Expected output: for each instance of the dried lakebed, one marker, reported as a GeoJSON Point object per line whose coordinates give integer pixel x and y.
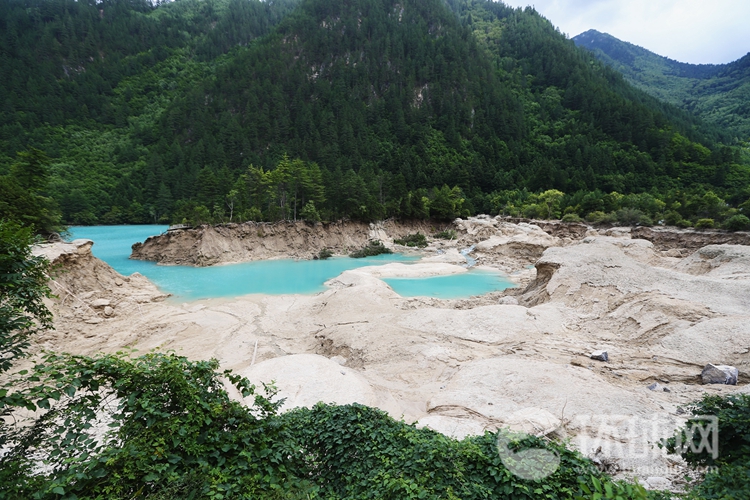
{"type": "Point", "coordinates": [518, 358]}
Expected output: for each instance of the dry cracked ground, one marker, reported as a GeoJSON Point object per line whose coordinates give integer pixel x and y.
{"type": "Point", "coordinates": [519, 358]}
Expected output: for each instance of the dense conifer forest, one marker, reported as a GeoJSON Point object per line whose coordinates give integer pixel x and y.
{"type": "Point", "coordinates": [230, 110]}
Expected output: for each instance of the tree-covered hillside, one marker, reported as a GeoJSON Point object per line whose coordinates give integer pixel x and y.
{"type": "Point", "coordinates": [226, 110]}
{"type": "Point", "coordinates": [718, 93]}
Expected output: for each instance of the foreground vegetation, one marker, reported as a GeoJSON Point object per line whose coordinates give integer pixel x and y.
{"type": "Point", "coordinates": [172, 432]}
{"type": "Point", "coordinates": [730, 477]}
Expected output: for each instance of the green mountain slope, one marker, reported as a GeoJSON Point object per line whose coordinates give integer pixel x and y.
{"type": "Point", "coordinates": [236, 109]}
{"type": "Point", "coordinates": [720, 94]}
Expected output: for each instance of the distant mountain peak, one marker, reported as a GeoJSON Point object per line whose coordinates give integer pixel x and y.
{"type": "Point", "coordinates": [716, 92]}
{"type": "Point", "coordinates": [626, 53]}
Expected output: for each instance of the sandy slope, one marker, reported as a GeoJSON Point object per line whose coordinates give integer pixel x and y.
{"type": "Point", "coordinates": [519, 358]}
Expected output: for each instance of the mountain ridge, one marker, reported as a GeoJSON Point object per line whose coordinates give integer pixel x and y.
{"type": "Point", "coordinates": [718, 93]}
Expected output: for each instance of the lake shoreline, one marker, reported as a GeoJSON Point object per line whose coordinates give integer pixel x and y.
{"type": "Point", "coordinates": [280, 274]}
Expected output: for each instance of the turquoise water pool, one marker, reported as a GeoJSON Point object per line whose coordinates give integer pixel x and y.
{"type": "Point", "coordinates": [454, 286]}
{"type": "Point", "coordinates": [276, 277]}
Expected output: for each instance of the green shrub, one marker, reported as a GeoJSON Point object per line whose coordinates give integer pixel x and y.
{"type": "Point", "coordinates": [532, 211]}
{"type": "Point", "coordinates": [727, 482]}
{"type": "Point", "coordinates": [599, 217]}
{"type": "Point", "coordinates": [672, 218]}
{"type": "Point", "coordinates": [629, 216]}
{"type": "Point", "coordinates": [324, 254]}
{"type": "Point", "coordinates": [309, 213]}
{"type": "Point", "coordinates": [645, 220]}
{"type": "Point", "coordinates": [177, 434]}
{"type": "Point", "coordinates": [354, 451]}
{"type": "Point", "coordinates": [571, 218]}
{"type": "Point", "coordinates": [413, 240]}
{"type": "Point", "coordinates": [684, 223]}
{"type": "Point", "coordinates": [731, 478]}
{"type": "Point", "coordinates": [373, 248]}
{"type": "Point", "coordinates": [704, 224]}
{"type": "Point", "coordinates": [174, 433]}
{"type": "Point", "coordinates": [447, 234]}
{"type": "Point", "coordinates": [737, 223]}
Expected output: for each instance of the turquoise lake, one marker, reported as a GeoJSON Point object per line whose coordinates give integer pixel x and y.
{"type": "Point", "coordinates": [276, 277]}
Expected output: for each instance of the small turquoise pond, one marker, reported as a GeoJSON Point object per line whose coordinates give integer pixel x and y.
{"type": "Point", "coordinates": [454, 286]}
{"type": "Point", "coordinates": [275, 277]}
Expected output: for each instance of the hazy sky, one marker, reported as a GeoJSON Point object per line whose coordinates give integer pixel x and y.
{"type": "Point", "coordinates": [694, 31]}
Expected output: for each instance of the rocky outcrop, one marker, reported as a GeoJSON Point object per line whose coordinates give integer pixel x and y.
{"type": "Point", "coordinates": [88, 290]}
{"type": "Point", "coordinates": [668, 238]}
{"type": "Point", "coordinates": [719, 374]}
{"type": "Point", "coordinates": [209, 245]}
{"type": "Point", "coordinates": [503, 244]}
{"type": "Point", "coordinates": [727, 261]}
{"type": "Point", "coordinates": [556, 228]}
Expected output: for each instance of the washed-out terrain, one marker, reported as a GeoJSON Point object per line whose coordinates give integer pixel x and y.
{"type": "Point", "coordinates": [662, 303]}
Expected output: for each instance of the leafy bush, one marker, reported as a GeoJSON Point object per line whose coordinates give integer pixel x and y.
{"type": "Point", "coordinates": [173, 433]}
{"type": "Point", "coordinates": [672, 218]}
{"type": "Point", "coordinates": [309, 213]}
{"type": "Point", "coordinates": [412, 240]}
{"type": "Point", "coordinates": [728, 482]}
{"type": "Point", "coordinates": [532, 211]}
{"type": "Point", "coordinates": [737, 223]}
{"type": "Point", "coordinates": [373, 248]}
{"type": "Point", "coordinates": [704, 224]}
{"type": "Point", "coordinates": [629, 216]}
{"type": "Point", "coordinates": [324, 254]}
{"type": "Point", "coordinates": [23, 287]}
{"type": "Point", "coordinates": [599, 217]}
{"type": "Point", "coordinates": [572, 218]}
{"type": "Point", "coordinates": [684, 223]}
{"type": "Point", "coordinates": [731, 479]}
{"type": "Point", "coordinates": [446, 234]}
{"type": "Point", "coordinates": [358, 452]}
{"type": "Point", "coordinates": [645, 220]}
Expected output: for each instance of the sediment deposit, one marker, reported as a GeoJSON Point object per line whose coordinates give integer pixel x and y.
{"type": "Point", "coordinates": [518, 358]}
{"type": "Point", "coordinates": [210, 245]}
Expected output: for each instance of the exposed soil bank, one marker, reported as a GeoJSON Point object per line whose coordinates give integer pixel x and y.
{"type": "Point", "coordinates": [88, 290]}
{"type": "Point", "coordinates": [209, 245]}
{"type": "Point", "coordinates": [667, 238]}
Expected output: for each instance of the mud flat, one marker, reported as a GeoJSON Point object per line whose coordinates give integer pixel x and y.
{"type": "Point", "coordinates": [518, 358]}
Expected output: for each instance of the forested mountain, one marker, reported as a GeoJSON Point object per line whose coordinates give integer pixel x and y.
{"type": "Point", "coordinates": [718, 93]}
{"type": "Point", "coordinates": [225, 110]}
